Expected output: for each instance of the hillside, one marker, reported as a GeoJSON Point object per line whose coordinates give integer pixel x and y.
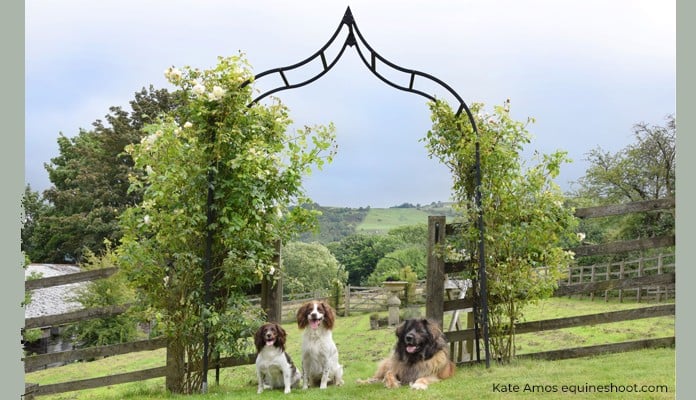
{"type": "Point", "coordinates": [336, 223]}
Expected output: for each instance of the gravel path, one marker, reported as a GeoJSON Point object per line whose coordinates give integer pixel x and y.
{"type": "Point", "coordinates": [53, 300]}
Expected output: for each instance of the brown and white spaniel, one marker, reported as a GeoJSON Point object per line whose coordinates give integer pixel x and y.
{"type": "Point", "coordinates": [274, 367]}
{"type": "Point", "coordinates": [319, 352]}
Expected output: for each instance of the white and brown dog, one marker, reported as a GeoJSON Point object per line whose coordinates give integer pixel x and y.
{"type": "Point", "coordinates": [274, 367]}
{"type": "Point", "coordinates": [319, 352]}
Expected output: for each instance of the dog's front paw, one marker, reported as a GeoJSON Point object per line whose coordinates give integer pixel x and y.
{"type": "Point", "coordinates": [391, 382]}
{"type": "Point", "coordinates": [287, 390]}
{"type": "Point", "coordinates": [419, 386]}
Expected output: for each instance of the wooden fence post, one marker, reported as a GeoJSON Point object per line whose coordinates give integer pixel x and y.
{"type": "Point", "coordinates": [346, 302]}
{"type": "Point", "coordinates": [592, 279]}
{"type": "Point", "coordinates": [29, 390]}
{"type": "Point", "coordinates": [272, 289]}
{"type": "Point", "coordinates": [659, 272]}
{"type": "Point", "coordinates": [621, 276]}
{"type": "Point", "coordinates": [174, 376]}
{"type": "Point", "coordinates": [641, 266]}
{"type": "Point", "coordinates": [435, 278]}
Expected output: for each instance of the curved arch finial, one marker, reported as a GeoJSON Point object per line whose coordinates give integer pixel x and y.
{"type": "Point", "coordinates": [369, 58]}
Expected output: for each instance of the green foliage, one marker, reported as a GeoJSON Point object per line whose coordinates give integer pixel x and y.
{"type": "Point", "coordinates": [33, 207]}
{"type": "Point", "coordinates": [410, 261]}
{"type": "Point", "coordinates": [643, 170]}
{"type": "Point", "coordinates": [360, 253]}
{"type": "Point", "coordinates": [245, 162]}
{"type": "Point", "coordinates": [334, 223]}
{"type": "Point", "coordinates": [90, 184]}
{"type": "Point", "coordinates": [110, 291]}
{"type": "Point", "coordinates": [309, 267]}
{"type": "Point", "coordinates": [525, 219]}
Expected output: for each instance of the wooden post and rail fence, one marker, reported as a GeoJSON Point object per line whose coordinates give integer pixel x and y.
{"type": "Point", "coordinates": [656, 273]}
{"type": "Point", "coordinates": [662, 275]}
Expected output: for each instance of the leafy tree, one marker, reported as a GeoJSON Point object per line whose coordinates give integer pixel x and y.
{"type": "Point", "coordinates": [392, 265]}
{"type": "Point", "coordinates": [33, 207]}
{"type": "Point", "coordinates": [359, 254]}
{"type": "Point", "coordinates": [334, 223]}
{"type": "Point", "coordinates": [216, 150]}
{"type": "Point", "coordinates": [411, 235]}
{"type": "Point", "coordinates": [643, 170]}
{"type": "Point", "coordinates": [90, 182]}
{"type": "Point", "coordinates": [410, 252]}
{"type": "Point", "coordinates": [310, 267]}
{"type": "Point", "coordinates": [524, 216]}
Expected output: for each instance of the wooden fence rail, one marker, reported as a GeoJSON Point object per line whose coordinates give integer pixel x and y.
{"type": "Point", "coordinates": [66, 279]}
{"type": "Point", "coordinates": [74, 316]}
{"type": "Point", "coordinates": [625, 283]}
{"type": "Point", "coordinates": [126, 377]}
{"type": "Point", "coordinates": [660, 276]}
{"type": "Point", "coordinates": [36, 362]}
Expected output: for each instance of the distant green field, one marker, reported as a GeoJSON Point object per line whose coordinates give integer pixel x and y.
{"type": "Point", "coordinates": [381, 220]}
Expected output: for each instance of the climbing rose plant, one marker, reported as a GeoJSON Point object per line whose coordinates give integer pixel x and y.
{"type": "Point", "coordinates": [525, 219]}
{"type": "Point", "coordinates": [254, 166]}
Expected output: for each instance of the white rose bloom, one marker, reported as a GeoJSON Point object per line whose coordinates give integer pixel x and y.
{"type": "Point", "coordinates": [198, 89]}
{"type": "Point", "coordinates": [172, 74]}
{"type": "Point", "coordinates": [581, 236]}
{"type": "Point", "coordinates": [217, 93]}
{"type": "Point", "coordinates": [148, 140]}
{"type": "Point", "coordinates": [149, 170]}
{"type": "Point", "coordinates": [187, 125]}
{"type": "Point", "coordinates": [146, 219]}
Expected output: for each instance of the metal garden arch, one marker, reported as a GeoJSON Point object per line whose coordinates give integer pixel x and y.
{"type": "Point", "coordinates": [370, 57]}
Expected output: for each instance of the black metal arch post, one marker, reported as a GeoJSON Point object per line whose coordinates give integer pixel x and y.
{"type": "Point", "coordinates": [370, 57]}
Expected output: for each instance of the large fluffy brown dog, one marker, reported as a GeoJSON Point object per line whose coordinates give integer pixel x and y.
{"type": "Point", "coordinates": [420, 357]}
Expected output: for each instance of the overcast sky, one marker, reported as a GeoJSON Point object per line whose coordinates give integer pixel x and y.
{"type": "Point", "coordinates": [587, 71]}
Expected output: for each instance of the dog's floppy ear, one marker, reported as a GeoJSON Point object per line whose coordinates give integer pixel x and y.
{"type": "Point", "coordinates": [400, 329]}
{"type": "Point", "coordinates": [302, 320]}
{"type": "Point", "coordinates": [433, 327]}
{"type": "Point", "coordinates": [259, 340]}
{"type": "Point", "coordinates": [329, 315]}
{"type": "Point", "coordinates": [282, 335]}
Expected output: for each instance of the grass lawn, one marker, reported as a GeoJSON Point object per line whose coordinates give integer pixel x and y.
{"type": "Point", "coordinates": [361, 348]}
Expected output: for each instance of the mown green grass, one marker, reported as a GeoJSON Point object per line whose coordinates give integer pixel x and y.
{"type": "Point", "coordinates": [361, 348]}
